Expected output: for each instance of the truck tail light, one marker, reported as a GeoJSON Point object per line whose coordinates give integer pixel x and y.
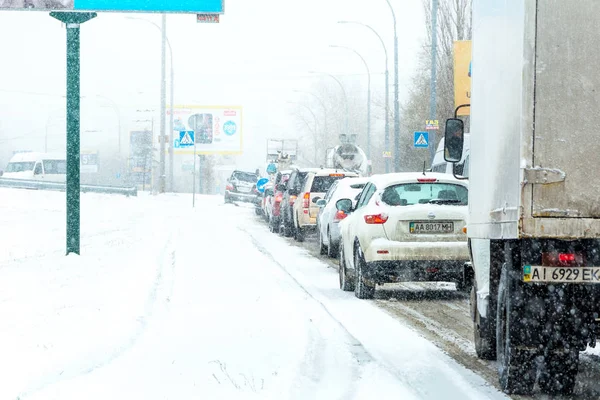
{"type": "Point", "coordinates": [340, 215]}
{"type": "Point", "coordinates": [306, 200]}
{"type": "Point", "coordinates": [376, 219]}
{"type": "Point", "coordinates": [278, 198]}
{"type": "Point", "coordinates": [556, 259]}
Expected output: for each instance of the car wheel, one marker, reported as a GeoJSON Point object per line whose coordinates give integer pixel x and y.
{"type": "Point", "coordinates": [347, 285]}
{"type": "Point", "coordinates": [322, 248]}
{"type": "Point", "coordinates": [332, 249]}
{"type": "Point", "coordinates": [362, 288]}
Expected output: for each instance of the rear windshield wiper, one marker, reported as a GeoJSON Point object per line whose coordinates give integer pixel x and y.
{"type": "Point", "coordinates": [444, 201]}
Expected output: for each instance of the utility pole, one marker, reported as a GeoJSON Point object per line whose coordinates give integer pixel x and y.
{"type": "Point", "coordinates": [163, 107]}
{"type": "Point", "coordinates": [396, 96]}
{"type": "Point", "coordinates": [433, 90]}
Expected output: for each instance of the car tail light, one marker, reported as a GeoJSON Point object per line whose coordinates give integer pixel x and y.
{"type": "Point", "coordinates": [293, 199]}
{"type": "Point", "coordinates": [340, 215]}
{"type": "Point", "coordinates": [278, 198]}
{"type": "Point", "coordinates": [306, 200]}
{"type": "Point", "coordinates": [229, 187]}
{"type": "Point", "coordinates": [426, 180]}
{"type": "Point", "coordinates": [376, 219]}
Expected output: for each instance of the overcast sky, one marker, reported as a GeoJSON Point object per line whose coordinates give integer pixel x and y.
{"type": "Point", "coordinates": [256, 57]}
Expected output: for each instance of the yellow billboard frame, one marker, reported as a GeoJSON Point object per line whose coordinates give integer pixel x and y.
{"type": "Point", "coordinates": [462, 80]}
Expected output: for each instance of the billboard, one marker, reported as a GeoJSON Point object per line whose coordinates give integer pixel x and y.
{"type": "Point", "coordinates": [140, 157]}
{"type": "Point", "coordinates": [162, 6]}
{"type": "Point", "coordinates": [462, 75]}
{"type": "Point", "coordinates": [217, 129]}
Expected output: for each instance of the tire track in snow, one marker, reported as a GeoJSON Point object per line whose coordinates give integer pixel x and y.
{"type": "Point", "coordinates": [166, 256]}
{"type": "Point", "coordinates": [354, 346]}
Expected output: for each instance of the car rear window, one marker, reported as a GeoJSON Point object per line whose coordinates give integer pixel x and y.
{"type": "Point", "coordinates": [425, 193]}
{"type": "Point", "coordinates": [321, 184]}
{"type": "Point", "coordinates": [245, 177]}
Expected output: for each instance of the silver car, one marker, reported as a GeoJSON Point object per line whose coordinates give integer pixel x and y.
{"type": "Point", "coordinates": [329, 217]}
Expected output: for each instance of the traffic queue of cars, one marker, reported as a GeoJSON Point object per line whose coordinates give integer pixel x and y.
{"type": "Point", "coordinates": [398, 227]}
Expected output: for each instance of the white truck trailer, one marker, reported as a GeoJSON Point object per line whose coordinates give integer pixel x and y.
{"type": "Point", "coordinates": [534, 200]}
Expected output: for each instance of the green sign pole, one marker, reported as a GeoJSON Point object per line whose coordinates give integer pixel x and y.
{"type": "Point", "coordinates": [73, 20]}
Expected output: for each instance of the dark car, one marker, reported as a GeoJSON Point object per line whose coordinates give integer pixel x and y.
{"type": "Point", "coordinates": [241, 186]}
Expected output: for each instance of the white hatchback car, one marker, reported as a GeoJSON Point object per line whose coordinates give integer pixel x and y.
{"type": "Point", "coordinates": [404, 227]}
{"type": "Point", "coordinates": [328, 227]}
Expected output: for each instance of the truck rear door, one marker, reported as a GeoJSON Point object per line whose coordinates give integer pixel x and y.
{"type": "Point", "coordinates": [566, 147]}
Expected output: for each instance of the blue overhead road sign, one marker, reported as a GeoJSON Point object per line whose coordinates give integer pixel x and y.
{"type": "Point", "coordinates": [179, 6]}
{"type": "Point", "coordinates": [151, 6]}
{"type": "Point", "coordinates": [421, 140]}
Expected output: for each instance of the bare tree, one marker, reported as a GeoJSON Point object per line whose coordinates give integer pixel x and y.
{"type": "Point", "coordinates": [454, 23]}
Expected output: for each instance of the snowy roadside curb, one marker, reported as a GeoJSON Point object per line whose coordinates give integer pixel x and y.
{"type": "Point", "coordinates": [71, 315]}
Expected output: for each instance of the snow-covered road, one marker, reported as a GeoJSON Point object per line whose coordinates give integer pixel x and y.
{"type": "Point", "coordinates": [170, 302]}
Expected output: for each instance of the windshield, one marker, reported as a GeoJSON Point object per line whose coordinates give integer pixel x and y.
{"type": "Point", "coordinates": [424, 193]}
{"type": "Point", "coordinates": [321, 184]}
{"type": "Point", "coordinates": [245, 177]}
{"type": "Point", "coordinates": [20, 166]}
{"type": "Point", "coordinates": [55, 166]}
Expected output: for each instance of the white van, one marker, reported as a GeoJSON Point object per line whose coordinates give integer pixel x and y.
{"type": "Point", "coordinates": [37, 166]}
{"type": "Point", "coordinates": [440, 165]}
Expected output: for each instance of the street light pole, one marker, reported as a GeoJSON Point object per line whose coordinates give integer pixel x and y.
{"type": "Point", "coordinates": [368, 96]}
{"type": "Point", "coordinates": [433, 90]}
{"type": "Point", "coordinates": [163, 111]}
{"type": "Point", "coordinates": [165, 38]}
{"type": "Point", "coordinates": [387, 92]}
{"type": "Point", "coordinates": [396, 96]}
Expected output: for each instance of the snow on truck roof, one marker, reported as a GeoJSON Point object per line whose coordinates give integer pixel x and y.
{"type": "Point", "coordinates": [384, 180]}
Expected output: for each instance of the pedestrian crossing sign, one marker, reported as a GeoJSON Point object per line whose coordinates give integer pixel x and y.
{"type": "Point", "coordinates": [421, 139]}
{"type": "Point", "coordinates": [186, 138]}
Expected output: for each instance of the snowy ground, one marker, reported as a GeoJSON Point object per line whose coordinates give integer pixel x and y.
{"type": "Point", "coordinates": [170, 302]}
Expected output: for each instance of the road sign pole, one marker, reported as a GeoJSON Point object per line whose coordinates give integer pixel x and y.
{"type": "Point", "coordinates": [194, 177]}
{"type": "Point", "coordinates": [73, 22]}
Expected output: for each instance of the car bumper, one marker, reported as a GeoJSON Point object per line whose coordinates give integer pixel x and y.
{"type": "Point", "coordinates": [307, 222]}
{"type": "Point", "coordinates": [414, 271]}
{"type": "Point", "coordinates": [244, 197]}
{"type": "Point", "coordinates": [389, 250]}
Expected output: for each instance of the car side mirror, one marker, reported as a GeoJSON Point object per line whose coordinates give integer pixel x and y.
{"type": "Point", "coordinates": [454, 137]}
{"type": "Point", "coordinates": [344, 205]}
{"type": "Point", "coordinates": [315, 199]}
{"type": "Point", "coordinates": [321, 203]}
